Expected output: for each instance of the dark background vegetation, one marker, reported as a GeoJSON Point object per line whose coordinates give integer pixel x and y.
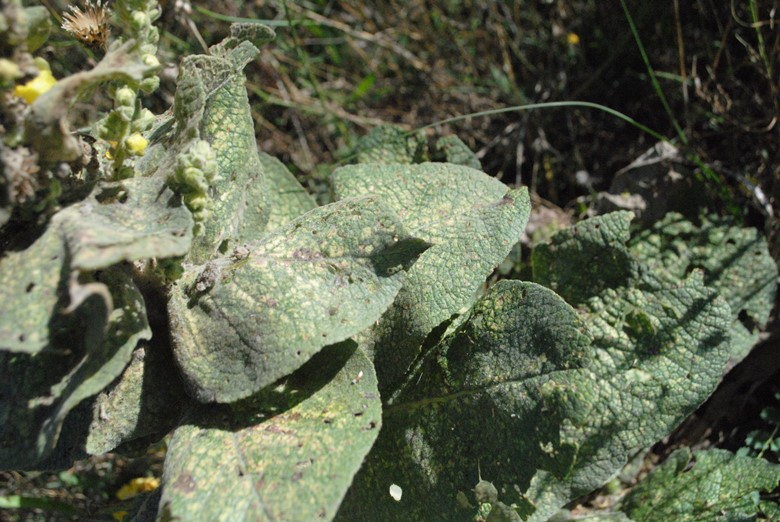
{"type": "Point", "coordinates": [339, 68]}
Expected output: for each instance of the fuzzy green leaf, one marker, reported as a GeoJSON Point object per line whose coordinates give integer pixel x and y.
{"type": "Point", "coordinates": [138, 218]}
{"type": "Point", "coordinates": [479, 405]}
{"type": "Point", "coordinates": [457, 152]}
{"type": "Point", "coordinates": [239, 324]}
{"type": "Point", "coordinates": [388, 144]}
{"type": "Point", "coordinates": [287, 454]}
{"type": "Point", "coordinates": [287, 198]}
{"type": "Point", "coordinates": [706, 485]}
{"type": "Point", "coordinates": [33, 288]}
{"type": "Point", "coordinates": [240, 190]}
{"type": "Point", "coordinates": [549, 401]}
{"type": "Point", "coordinates": [587, 258]}
{"type": "Point", "coordinates": [471, 219]}
{"type": "Point", "coordinates": [736, 262]}
{"type": "Point", "coordinates": [37, 391]}
{"type": "Point", "coordinates": [145, 401]}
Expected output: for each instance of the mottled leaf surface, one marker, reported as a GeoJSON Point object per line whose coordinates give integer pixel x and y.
{"type": "Point", "coordinates": [240, 323]}
{"type": "Point", "coordinates": [550, 401]}
{"type": "Point", "coordinates": [581, 261]}
{"type": "Point", "coordinates": [32, 288]}
{"type": "Point", "coordinates": [658, 354]}
{"type": "Point", "coordinates": [287, 454]}
{"type": "Point", "coordinates": [706, 485]}
{"type": "Point", "coordinates": [471, 219]}
{"type": "Point", "coordinates": [479, 405]}
{"type": "Point", "coordinates": [287, 198]}
{"type": "Point", "coordinates": [38, 390]}
{"type": "Point", "coordinates": [138, 218]}
{"type": "Point", "coordinates": [148, 399]}
{"type": "Point", "coordinates": [240, 190]}
{"type": "Point", "coordinates": [388, 144]}
{"type": "Point", "coordinates": [457, 152]}
{"type": "Point", "coordinates": [735, 260]}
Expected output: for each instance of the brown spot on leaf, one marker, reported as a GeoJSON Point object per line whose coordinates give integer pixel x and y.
{"type": "Point", "coordinates": [185, 483]}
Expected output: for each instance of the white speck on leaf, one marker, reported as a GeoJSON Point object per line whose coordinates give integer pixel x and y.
{"type": "Point", "coordinates": [396, 492]}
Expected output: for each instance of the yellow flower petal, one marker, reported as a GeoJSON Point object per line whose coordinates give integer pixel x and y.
{"type": "Point", "coordinates": [573, 39]}
{"type": "Point", "coordinates": [119, 516]}
{"type": "Point", "coordinates": [136, 143]}
{"type": "Point", "coordinates": [35, 87]}
{"type": "Point", "coordinates": [137, 486]}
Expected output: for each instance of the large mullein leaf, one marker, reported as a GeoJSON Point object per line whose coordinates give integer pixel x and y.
{"type": "Point", "coordinates": [123, 221]}
{"type": "Point", "coordinates": [735, 260]}
{"type": "Point", "coordinates": [33, 288]}
{"type": "Point", "coordinates": [288, 199]}
{"type": "Point", "coordinates": [240, 323]}
{"type": "Point", "coordinates": [145, 402]}
{"type": "Point", "coordinates": [706, 485]}
{"type": "Point", "coordinates": [284, 454]}
{"type": "Point", "coordinates": [471, 219]}
{"type": "Point", "coordinates": [89, 351]}
{"type": "Point", "coordinates": [587, 258]}
{"type": "Point", "coordinates": [479, 406]}
{"type": "Point", "coordinates": [240, 189]}
{"type": "Point", "coordinates": [138, 218]}
{"type": "Point", "coordinates": [547, 401]}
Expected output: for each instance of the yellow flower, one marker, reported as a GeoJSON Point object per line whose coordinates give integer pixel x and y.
{"type": "Point", "coordinates": [119, 516]}
{"type": "Point", "coordinates": [136, 143]}
{"type": "Point", "coordinates": [35, 87]}
{"type": "Point", "coordinates": [573, 39]}
{"type": "Point", "coordinates": [137, 486]}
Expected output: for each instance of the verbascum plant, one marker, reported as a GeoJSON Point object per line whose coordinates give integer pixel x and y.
{"type": "Point", "coordinates": [344, 361]}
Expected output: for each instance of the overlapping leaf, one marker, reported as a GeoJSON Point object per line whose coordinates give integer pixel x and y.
{"type": "Point", "coordinates": [288, 454]}
{"type": "Point", "coordinates": [146, 401]}
{"type": "Point", "coordinates": [587, 258]}
{"type": "Point", "coordinates": [706, 485]}
{"type": "Point", "coordinates": [134, 219]}
{"type": "Point", "coordinates": [736, 262]}
{"type": "Point", "coordinates": [82, 357]}
{"type": "Point", "coordinates": [240, 190]}
{"type": "Point", "coordinates": [471, 219]}
{"type": "Point", "coordinates": [240, 323]}
{"type": "Point", "coordinates": [33, 285]}
{"type": "Point", "coordinates": [388, 144]}
{"type": "Point", "coordinates": [287, 198]}
{"type": "Point", "coordinates": [548, 401]}
{"type": "Point", "coordinates": [480, 405]}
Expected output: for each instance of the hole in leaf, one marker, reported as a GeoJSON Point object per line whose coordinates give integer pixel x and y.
{"type": "Point", "coordinates": [223, 247]}
{"type": "Point", "coordinates": [747, 321]}
{"type": "Point", "coordinates": [22, 338]}
{"type": "Point", "coordinates": [29, 288]}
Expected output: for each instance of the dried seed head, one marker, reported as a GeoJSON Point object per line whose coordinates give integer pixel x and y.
{"type": "Point", "coordinates": [89, 25]}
